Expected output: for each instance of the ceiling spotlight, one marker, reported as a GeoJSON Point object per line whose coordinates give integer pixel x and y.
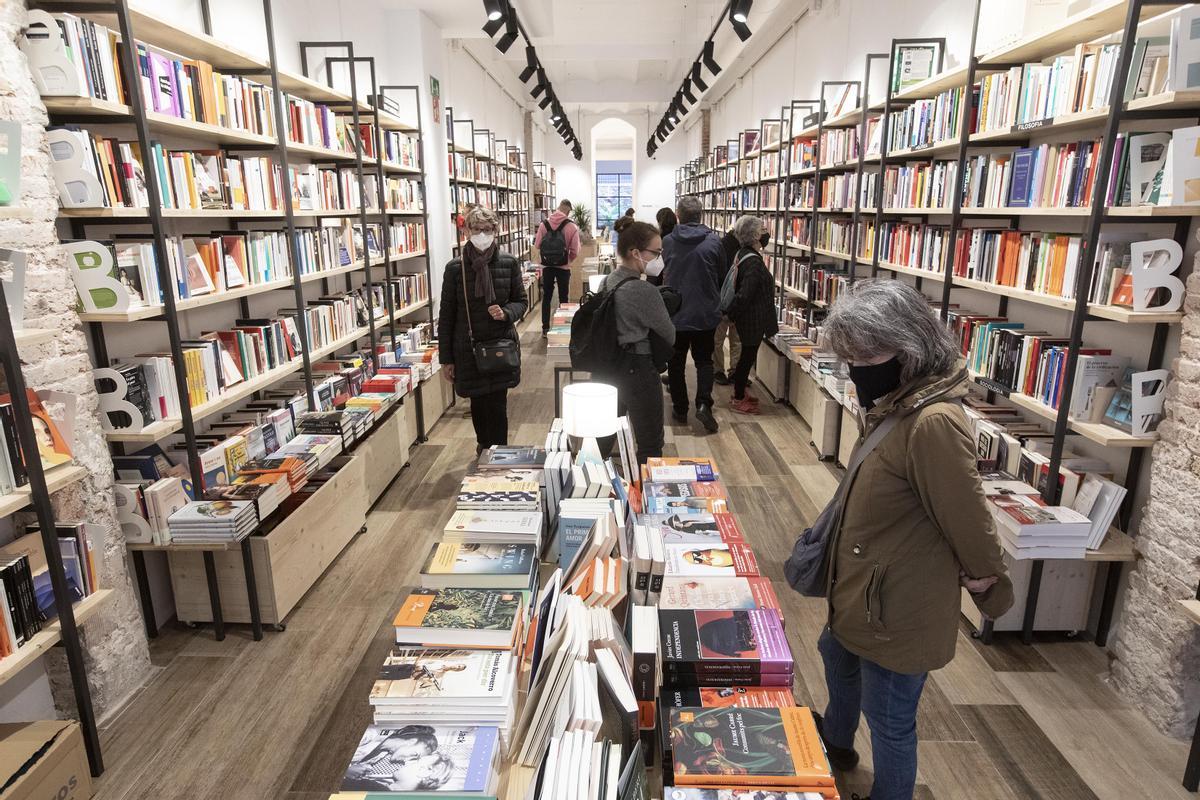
{"type": "Point", "coordinates": [545, 101]}
{"type": "Point", "coordinates": [494, 8]}
{"type": "Point", "coordinates": [687, 91]}
{"type": "Point", "coordinates": [530, 64]}
{"type": "Point", "coordinates": [510, 34]}
{"type": "Point", "coordinates": [708, 59]}
{"type": "Point", "coordinates": [541, 84]}
{"type": "Point", "coordinates": [696, 79]}
{"type": "Point", "coordinates": [740, 28]}
{"type": "Point", "coordinates": [739, 10]}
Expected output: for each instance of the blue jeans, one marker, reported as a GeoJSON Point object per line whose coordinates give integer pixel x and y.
{"type": "Point", "coordinates": [889, 700]}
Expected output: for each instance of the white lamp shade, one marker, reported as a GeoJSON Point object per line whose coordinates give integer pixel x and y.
{"type": "Point", "coordinates": [595, 282]}
{"type": "Point", "coordinates": [589, 409]}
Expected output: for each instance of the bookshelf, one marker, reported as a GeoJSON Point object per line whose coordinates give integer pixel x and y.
{"type": "Point", "coordinates": [848, 238]}
{"type": "Point", "coordinates": [378, 144]}
{"type": "Point", "coordinates": [36, 493]}
{"type": "Point", "coordinates": [487, 171]}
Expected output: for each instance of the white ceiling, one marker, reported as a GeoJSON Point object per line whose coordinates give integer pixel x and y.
{"type": "Point", "coordinates": [607, 53]}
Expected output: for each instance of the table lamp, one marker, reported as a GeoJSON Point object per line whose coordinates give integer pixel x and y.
{"type": "Point", "coordinates": [589, 412]}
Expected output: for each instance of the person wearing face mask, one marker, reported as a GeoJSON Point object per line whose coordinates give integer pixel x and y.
{"type": "Point", "coordinates": [482, 298]}
{"type": "Point", "coordinates": [694, 260]}
{"type": "Point", "coordinates": [914, 529]}
{"type": "Point", "coordinates": [753, 309]}
{"type": "Point", "coordinates": [644, 329]}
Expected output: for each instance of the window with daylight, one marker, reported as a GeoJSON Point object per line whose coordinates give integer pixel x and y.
{"type": "Point", "coordinates": [614, 194]}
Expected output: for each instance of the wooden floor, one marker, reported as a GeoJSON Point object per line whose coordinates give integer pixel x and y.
{"type": "Point", "coordinates": [244, 720]}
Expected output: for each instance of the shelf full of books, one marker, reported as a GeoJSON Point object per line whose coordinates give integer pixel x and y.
{"type": "Point", "coordinates": [554, 644]}
{"type": "Point", "coordinates": [487, 171]}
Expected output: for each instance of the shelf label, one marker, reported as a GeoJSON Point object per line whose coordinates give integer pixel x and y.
{"type": "Point", "coordinates": [1029, 126]}
{"type": "Point", "coordinates": [1154, 263]}
{"type": "Point", "coordinates": [993, 386]}
{"type": "Point", "coordinates": [924, 146]}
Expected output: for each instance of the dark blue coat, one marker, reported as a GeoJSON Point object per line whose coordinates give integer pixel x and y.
{"type": "Point", "coordinates": [694, 260]}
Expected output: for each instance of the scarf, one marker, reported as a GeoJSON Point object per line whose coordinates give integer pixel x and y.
{"type": "Point", "coordinates": [481, 269]}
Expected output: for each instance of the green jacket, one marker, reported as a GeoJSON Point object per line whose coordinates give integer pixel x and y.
{"type": "Point", "coordinates": [914, 513]}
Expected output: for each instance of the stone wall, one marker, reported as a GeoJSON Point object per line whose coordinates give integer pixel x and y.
{"type": "Point", "coordinates": [114, 640]}
{"type": "Point", "coordinates": [1156, 653]}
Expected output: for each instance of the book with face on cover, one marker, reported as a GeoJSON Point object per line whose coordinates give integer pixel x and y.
{"type": "Point", "coordinates": [472, 618]}
{"type": "Point", "coordinates": [723, 642]}
{"type": "Point", "coordinates": [691, 528]}
{"type": "Point", "coordinates": [480, 566]}
{"type": "Point", "coordinates": [718, 593]}
{"type": "Point", "coordinates": [715, 697]}
{"type": "Point", "coordinates": [445, 760]}
{"type": "Point", "coordinates": [776, 748]}
{"type": "Point", "coordinates": [431, 677]}
{"type": "Point", "coordinates": [501, 457]}
{"type": "Point", "coordinates": [709, 559]}
{"type": "Point", "coordinates": [684, 497]}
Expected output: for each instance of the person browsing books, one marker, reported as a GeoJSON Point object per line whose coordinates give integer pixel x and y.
{"type": "Point", "coordinates": [693, 258]}
{"type": "Point", "coordinates": [753, 309]}
{"type": "Point", "coordinates": [557, 241]}
{"type": "Point", "coordinates": [726, 331]}
{"type": "Point", "coordinates": [914, 528]}
{"type": "Point", "coordinates": [482, 298]}
{"type": "Point", "coordinates": [666, 223]}
{"type": "Point", "coordinates": [642, 321]}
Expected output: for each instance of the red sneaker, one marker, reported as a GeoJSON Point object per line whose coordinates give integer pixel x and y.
{"type": "Point", "coordinates": [744, 406]}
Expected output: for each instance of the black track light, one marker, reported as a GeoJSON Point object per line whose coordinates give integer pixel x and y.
{"type": "Point", "coordinates": [541, 84]}
{"type": "Point", "coordinates": [709, 61]}
{"type": "Point", "coordinates": [739, 10]}
{"type": "Point", "coordinates": [740, 28]}
{"type": "Point", "coordinates": [530, 64]}
{"type": "Point", "coordinates": [495, 21]}
{"type": "Point", "coordinates": [494, 9]}
{"type": "Point", "coordinates": [687, 91]}
{"type": "Point", "coordinates": [510, 33]}
{"type": "Point", "coordinates": [696, 79]}
{"type": "Point", "coordinates": [545, 101]}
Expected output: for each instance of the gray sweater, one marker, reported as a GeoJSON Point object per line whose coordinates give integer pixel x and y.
{"type": "Point", "coordinates": [640, 310]}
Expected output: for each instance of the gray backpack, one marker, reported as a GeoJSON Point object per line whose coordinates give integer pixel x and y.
{"type": "Point", "coordinates": [728, 289]}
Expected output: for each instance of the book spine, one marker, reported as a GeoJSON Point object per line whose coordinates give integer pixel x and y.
{"type": "Point", "coordinates": [770, 679]}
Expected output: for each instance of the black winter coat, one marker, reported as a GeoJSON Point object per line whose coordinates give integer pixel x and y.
{"type": "Point", "coordinates": [454, 340]}
{"type": "Point", "coordinates": [753, 309]}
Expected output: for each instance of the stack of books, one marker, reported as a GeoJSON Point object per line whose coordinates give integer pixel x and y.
{"type": "Point", "coordinates": [213, 522]}
{"type": "Point", "coordinates": [559, 337]}
{"type": "Point", "coordinates": [53, 447]}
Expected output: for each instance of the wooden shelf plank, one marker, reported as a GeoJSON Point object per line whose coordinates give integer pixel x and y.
{"type": "Point", "coordinates": [203, 130]}
{"type": "Point", "coordinates": [41, 642]}
{"type": "Point", "coordinates": [1117, 546]}
{"type": "Point", "coordinates": [1106, 17]}
{"type": "Point", "coordinates": [30, 337]}
{"type": "Point", "coordinates": [151, 28]}
{"type": "Point", "coordinates": [1192, 609]}
{"type": "Point", "coordinates": [56, 478]}
{"type": "Point", "coordinates": [1114, 313]}
{"type": "Point", "coordinates": [169, 213]}
{"type": "Point", "coordinates": [919, 153]}
{"type": "Point", "coordinates": [917, 273]}
{"type": "Point", "coordinates": [85, 106]}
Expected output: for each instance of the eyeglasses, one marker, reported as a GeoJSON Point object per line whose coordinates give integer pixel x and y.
{"type": "Point", "coordinates": [657, 253]}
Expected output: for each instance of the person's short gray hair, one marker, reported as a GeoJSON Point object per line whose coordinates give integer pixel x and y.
{"type": "Point", "coordinates": [747, 229]}
{"type": "Point", "coordinates": [690, 209]}
{"type": "Point", "coordinates": [482, 216]}
{"type": "Point", "coordinates": [877, 316]}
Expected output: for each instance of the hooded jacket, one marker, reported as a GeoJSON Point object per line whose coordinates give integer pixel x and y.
{"type": "Point", "coordinates": [694, 260]}
{"type": "Point", "coordinates": [570, 233]}
{"type": "Point", "coordinates": [914, 515]}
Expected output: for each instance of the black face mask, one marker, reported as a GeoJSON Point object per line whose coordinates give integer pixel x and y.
{"type": "Point", "coordinates": [874, 381]}
{"type": "Point", "coordinates": [762, 240]}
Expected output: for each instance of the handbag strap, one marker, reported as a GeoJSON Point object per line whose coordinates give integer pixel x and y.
{"type": "Point", "coordinates": [462, 267]}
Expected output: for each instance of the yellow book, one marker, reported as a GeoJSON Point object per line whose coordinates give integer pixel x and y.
{"type": "Point", "coordinates": [189, 171]}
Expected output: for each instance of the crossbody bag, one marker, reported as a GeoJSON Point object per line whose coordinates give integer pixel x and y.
{"type": "Point", "coordinates": [493, 356]}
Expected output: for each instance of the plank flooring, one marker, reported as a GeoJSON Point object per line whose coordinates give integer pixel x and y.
{"type": "Point", "coordinates": [279, 719]}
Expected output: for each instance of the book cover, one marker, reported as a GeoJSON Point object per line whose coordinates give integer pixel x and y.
{"type": "Point", "coordinates": [709, 559]}
{"type": "Point", "coordinates": [768, 747]}
{"type": "Point", "coordinates": [695, 528]}
{"type": "Point", "coordinates": [500, 457]}
{"type": "Point", "coordinates": [727, 696]}
{"type": "Point", "coordinates": [459, 609]}
{"type": "Point", "coordinates": [572, 533]}
{"type": "Point", "coordinates": [424, 677]}
{"type": "Point", "coordinates": [718, 593]}
{"type": "Point", "coordinates": [711, 641]}
{"type": "Point", "coordinates": [425, 758]}
{"type": "Point", "coordinates": [498, 522]}
{"type": "Point", "coordinates": [471, 558]}
{"type": "Point", "coordinates": [665, 469]}
{"type": "Point", "coordinates": [684, 497]}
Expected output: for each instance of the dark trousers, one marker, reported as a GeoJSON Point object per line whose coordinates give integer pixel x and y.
{"type": "Point", "coordinates": [639, 397]}
{"type": "Point", "coordinates": [745, 363]}
{"type": "Point", "coordinates": [489, 415]}
{"type": "Point", "coordinates": [549, 276]}
{"type": "Point", "coordinates": [700, 343]}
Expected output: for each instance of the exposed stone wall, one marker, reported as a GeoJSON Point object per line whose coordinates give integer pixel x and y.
{"type": "Point", "coordinates": [1157, 650]}
{"type": "Point", "coordinates": [114, 640]}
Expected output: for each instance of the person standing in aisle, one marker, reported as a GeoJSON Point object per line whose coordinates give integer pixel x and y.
{"type": "Point", "coordinates": [753, 310]}
{"type": "Point", "coordinates": [666, 224]}
{"type": "Point", "coordinates": [482, 298]}
{"type": "Point", "coordinates": [914, 529]}
{"type": "Point", "coordinates": [643, 327]}
{"type": "Point", "coordinates": [693, 258]}
{"type": "Point", "coordinates": [726, 331]}
{"type": "Point", "coordinates": [557, 241]}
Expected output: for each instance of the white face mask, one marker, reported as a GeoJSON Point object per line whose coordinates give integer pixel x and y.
{"type": "Point", "coordinates": [482, 241]}
{"type": "Point", "coordinates": [655, 267]}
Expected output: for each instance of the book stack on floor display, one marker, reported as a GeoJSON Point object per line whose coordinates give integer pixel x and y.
{"type": "Point", "coordinates": [1050, 135]}
{"type": "Point", "coordinates": [487, 171]}
{"type": "Point", "coordinates": [558, 340]}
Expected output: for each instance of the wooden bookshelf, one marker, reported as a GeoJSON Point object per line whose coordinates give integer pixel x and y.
{"type": "Point", "coordinates": [57, 478]}
{"type": "Point", "coordinates": [120, 212]}
{"type": "Point", "coordinates": [913, 271]}
{"type": "Point", "coordinates": [31, 337]}
{"type": "Point", "coordinates": [1093, 23]}
{"type": "Point", "coordinates": [41, 642]}
{"type": "Point", "coordinates": [1114, 313]}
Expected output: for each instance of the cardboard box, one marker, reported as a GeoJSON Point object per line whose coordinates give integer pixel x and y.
{"type": "Point", "coordinates": [44, 759]}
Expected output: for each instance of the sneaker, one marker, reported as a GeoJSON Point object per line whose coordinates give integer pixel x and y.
{"type": "Point", "coordinates": [545, 333]}
{"type": "Point", "coordinates": [721, 379]}
{"type": "Point", "coordinates": [743, 406]}
{"type": "Point", "coordinates": [666, 380]}
{"type": "Point", "coordinates": [680, 417]}
{"type": "Point", "coordinates": [705, 416]}
{"type": "Point", "coordinates": [842, 759]}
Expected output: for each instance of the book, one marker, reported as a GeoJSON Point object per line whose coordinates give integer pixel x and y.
{"type": "Point", "coordinates": [502, 457]}
{"type": "Point", "coordinates": [715, 697]}
{"type": "Point", "coordinates": [475, 618]}
{"type": "Point", "coordinates": [700, 496]}
{"type": "Point", "coordinates": [709, 559]}
{"type": "Point", "coordinates": [718, 593]}
{"type": "Point", "coordinates": [697, 644]}
{"type": "Point", "coordinates": [480, 566]}
{"type": "Point", "coordinates": [774, 748]}
{"type": "Point", "coordinates": [660, 469]}
{"type": "Point", "coordinates": [430, 678]}
{"type": "Point", "coordinates": [694, 528]}
{"type": "Point", "coordinates": [493, 526]}
{"type": "Point", "coordinates": [444, 760]}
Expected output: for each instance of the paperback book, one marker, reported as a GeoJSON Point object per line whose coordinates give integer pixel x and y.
{"type": "Point", "coordinates": [698, 496]}
{"type": "Point", "coordinates": [709, 560]}
{"type": "Point", "coordinates": [473, 618]}
{"type": "Point", "coordinates": [694, 528]}
{"type": "Point", "coordinates": [718, 593]}
{"type": "Point", "coordinates": [699, 645]}
{"type": "Point", "coordinates": [444, 683]}
{"type": "Point", "coordinates": [473, 565]}
{"type": "Point", "coordinates": [410, 759]}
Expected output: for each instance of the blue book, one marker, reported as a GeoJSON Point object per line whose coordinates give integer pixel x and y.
{"type": "Point", "coordinates": [1020, 189]}
{"type": "Point", "coordinates": [572, 533]}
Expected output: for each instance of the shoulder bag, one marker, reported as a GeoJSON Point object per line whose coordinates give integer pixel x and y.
{"type": "Point", "coordinates": [494, 356]}
{"type": "Point", "coordinates": [807, 568]}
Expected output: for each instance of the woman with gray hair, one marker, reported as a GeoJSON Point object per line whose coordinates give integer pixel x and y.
{"type": "Point", "coordinates": [482, 299]}
{"type": "Point", "coordinates": [914, 527]}
{"type": "Point", "coordinates": [753, 309]}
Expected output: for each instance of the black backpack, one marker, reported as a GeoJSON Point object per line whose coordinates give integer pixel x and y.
{"type": "Point", "coordinates": [553, 248]}
{"type": "Point", "coordinates": [594, 345]}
